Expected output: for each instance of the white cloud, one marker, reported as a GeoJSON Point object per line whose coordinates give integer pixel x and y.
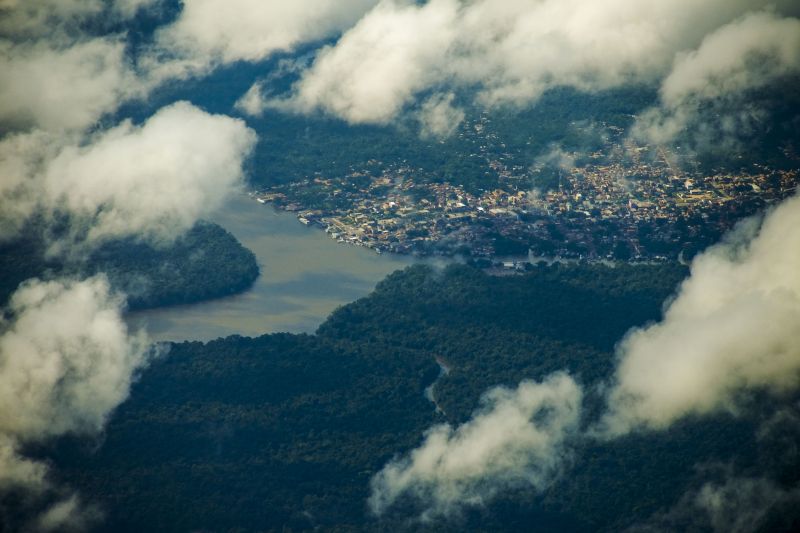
{"type": "Point", "coordinates": [250, 29]}
{"type": "Point", "coordinates": [438, 117]}
{"type": "Point", "coordinates": [17, 470]}
{"type": "Point", "coordinates": [509, 52]}
{"type": "Point", "coordinates": [55, 75]}
{"type": "Point", "coordinates": [56, 88]}
{"type": "Point", "coordinates": [747, 54]}
{"type": "Point", "coordinates": [252, 103]}
{"type": "Point", "coordinates": [733, 327]}
{"type": "Point", "coordinates": [378, 66]}
{"type": "Point", "coordinates": [516, 439]}
{"type": "Point", "coordinates": [555, 157]}
{"type": "Point", "coordinates": [152, 180]}
{"type": "Point", "coordinates": [22, 158]}
{"type": "Point", "coordinates": [211, 32]}
{"type": "Point", "coordinates": [66, 361]}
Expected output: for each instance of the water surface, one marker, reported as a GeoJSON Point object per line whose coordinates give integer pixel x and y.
{"type": "Point", "coordinates": [304, 276]}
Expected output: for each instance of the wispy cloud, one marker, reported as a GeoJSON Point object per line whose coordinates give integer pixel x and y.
{"type": "Point", "coordinates": [438, 117]}
{"type": "Point", "coordinates": [516, 439]}
{"type": "Point", "coordinates": [736, 504]}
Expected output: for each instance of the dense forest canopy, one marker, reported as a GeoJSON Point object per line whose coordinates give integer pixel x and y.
{"type": "Point", "coordinates": [283, 432]}
{"type": "Point", "coordinates": [207, 262]}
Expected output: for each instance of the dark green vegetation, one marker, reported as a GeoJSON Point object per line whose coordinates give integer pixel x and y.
{"type": "Point", "coordinates": [207, 262]}
{"type": "Point", "coordinates": [293, 148]}
{"type": "Point", "coordinates": [283, 432]}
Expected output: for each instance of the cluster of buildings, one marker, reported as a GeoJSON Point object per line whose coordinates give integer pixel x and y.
{"type": "Point", "coordinates": [634, 206]}
{"type": "Point", "coordinates": [599, 211]}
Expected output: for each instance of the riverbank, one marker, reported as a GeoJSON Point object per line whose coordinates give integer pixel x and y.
{"type": "Point", "coordinates": [305, 275]}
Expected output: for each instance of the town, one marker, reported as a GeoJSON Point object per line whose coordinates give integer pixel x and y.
{"type": "Point", "coordinates": [634, 205]}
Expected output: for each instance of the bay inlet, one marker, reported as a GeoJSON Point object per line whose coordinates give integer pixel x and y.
{"type": "Point", "coordinates": [305, 275]}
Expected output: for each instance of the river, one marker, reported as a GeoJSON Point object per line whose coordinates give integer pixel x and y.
{"type": "Point", "coordinates": [304, 276]}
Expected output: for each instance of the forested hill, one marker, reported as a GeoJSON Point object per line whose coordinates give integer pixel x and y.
{"type": "Point", "coordinates": [207, 262]}
{"type": "Point", "coordinates": [284, 432]}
